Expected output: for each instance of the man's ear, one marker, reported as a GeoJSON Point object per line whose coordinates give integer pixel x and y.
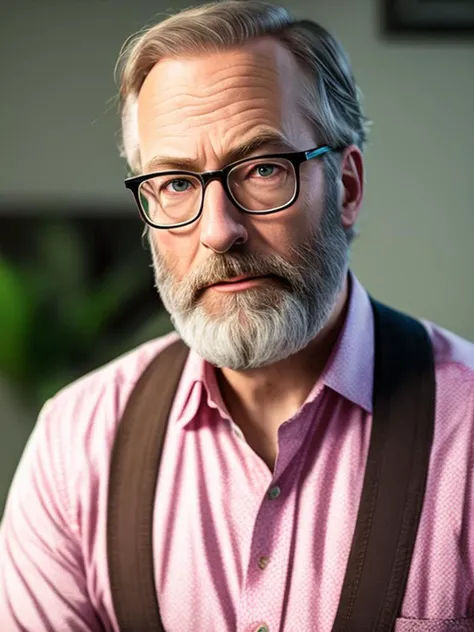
{"type": "Point", "coordinates": [352, 179]}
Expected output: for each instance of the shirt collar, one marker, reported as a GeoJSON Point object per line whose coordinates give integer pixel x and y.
{"type": "Point", "coordinates": [349, 370]}
{"type": "Point", "coordinates": [189, 393]}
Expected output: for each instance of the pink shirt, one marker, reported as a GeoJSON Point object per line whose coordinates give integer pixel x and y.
{"type": "Point", "coordinates": [237, 547]}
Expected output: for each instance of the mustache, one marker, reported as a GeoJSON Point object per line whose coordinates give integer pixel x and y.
{"type": "Point", "coordinates": [221, 267]}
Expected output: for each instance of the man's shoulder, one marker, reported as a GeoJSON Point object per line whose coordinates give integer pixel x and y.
{"type": "Point", "coordinates": [75, 432]}
{"type": "Point", "coordinates": [450, 349]}
{"type": "Point", "coordinates": [454, 362]}
{"type": "Point", "coordinates": [100, 396]}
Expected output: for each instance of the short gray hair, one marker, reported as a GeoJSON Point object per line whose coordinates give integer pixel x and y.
{"type": "Point", "coordinates": [331, 99]}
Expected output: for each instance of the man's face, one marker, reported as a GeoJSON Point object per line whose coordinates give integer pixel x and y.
{"type": "Point", "coordinates": [201, 108]}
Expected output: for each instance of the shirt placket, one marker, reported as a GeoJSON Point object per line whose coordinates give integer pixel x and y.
{"type": "Point", "coordinates": [269, 565]}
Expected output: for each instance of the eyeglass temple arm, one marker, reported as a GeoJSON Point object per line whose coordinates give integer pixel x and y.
{"type": "Point", "coordinates": [317, 152]}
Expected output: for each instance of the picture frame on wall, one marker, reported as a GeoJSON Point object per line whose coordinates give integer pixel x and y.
{"type": "Point", "coordinates": [455, 17]}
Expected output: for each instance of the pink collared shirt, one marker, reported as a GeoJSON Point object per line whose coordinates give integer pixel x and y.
{"type": "Point", "coordinates": [237, 547]}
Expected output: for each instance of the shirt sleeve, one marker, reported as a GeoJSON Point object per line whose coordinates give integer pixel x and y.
{"type": "Point", "coordinates": [43, 585]}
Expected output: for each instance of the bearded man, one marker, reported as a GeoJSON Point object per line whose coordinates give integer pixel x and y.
{"type": "Point", "coordinates": [244, 132]}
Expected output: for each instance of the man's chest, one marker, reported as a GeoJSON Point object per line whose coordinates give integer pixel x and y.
{"type": "Point", "coordinates": [245, 545]}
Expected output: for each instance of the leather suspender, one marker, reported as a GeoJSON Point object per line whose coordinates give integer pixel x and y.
{"type": "Point", "coordinates": [395, 476]}
{"type": "Point", "coordinates": [135, 461]}
{"type": "Point", "coordinates": [391, 500]}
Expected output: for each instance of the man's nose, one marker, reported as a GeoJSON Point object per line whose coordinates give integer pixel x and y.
{"type": "Point", "coordinates": [221, 222]}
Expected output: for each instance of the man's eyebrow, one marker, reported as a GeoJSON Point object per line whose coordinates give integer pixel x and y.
{"type": "Point", "coordinates": [278, 142]}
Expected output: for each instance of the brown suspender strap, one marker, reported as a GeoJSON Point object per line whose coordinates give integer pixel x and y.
{"type": "Point", "coordinates": [133, 475]}
{"type": "Point", "coordinates": [395, 475]}
{"type": "Point", "coordinates": [391, 501]}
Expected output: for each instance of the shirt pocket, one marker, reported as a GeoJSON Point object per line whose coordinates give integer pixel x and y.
{"type": "Point", "coordinates": [434, 625]}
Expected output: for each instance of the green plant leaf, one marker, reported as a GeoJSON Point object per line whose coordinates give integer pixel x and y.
{"type": "Point", "coordinates": [91, 311]}
{"type": "Point", "coordinates": [16, 312]}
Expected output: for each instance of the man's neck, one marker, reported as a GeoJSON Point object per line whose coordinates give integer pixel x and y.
{"type": "Point", "coordinates": [260, 400]}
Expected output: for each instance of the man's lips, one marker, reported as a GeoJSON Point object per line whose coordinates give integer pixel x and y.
{"type": "Point", "coordinates": [238, 283]}
{"type": "Point", "coordinates": [242, 277]}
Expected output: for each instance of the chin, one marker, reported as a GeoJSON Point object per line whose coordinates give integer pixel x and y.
{"type": "Point", "coordinates": [222, 305]}
{"type": "Point", "coordinates": [243, 336]}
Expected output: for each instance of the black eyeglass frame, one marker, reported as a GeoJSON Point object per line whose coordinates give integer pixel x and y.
{"type": "Point", "coordinates": [296, 158]}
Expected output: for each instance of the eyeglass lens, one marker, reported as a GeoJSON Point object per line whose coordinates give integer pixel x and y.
{"type": "Point", "coordinates": [260, 185]}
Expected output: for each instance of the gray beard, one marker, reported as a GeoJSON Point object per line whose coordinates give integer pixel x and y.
{"type": "Point", "coordinates": [265, 324]}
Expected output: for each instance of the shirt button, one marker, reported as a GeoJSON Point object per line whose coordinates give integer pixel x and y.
{"type": "Point", "coordinates": [263, 562]}
{"type": "Point", "coordinates": [274, 492]}
{"type": "Point", "coordinates": [263, 628]}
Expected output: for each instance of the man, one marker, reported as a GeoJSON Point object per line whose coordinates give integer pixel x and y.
{"type": "Point", "coordinates": [263, 465]}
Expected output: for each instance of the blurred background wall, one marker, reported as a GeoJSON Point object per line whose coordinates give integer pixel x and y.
{"type": "Point", "coordinates": [58, 160]}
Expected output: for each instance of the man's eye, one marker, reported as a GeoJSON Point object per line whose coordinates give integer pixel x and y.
{"type": "Point", "coordinates": [177, 186]}
{"type": "Point", "coordinates": [264, 171]}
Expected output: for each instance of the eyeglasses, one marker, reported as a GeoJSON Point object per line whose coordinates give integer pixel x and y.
{"type": "Point", "coordinates": [259, 185]}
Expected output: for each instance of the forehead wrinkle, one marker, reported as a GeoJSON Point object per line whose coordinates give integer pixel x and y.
{"type": "Point", "coordinates": [225, 113]}
{"type": "Point", "coordinates": [201, 104]}
{"type": "Point", "coordinates": [249, 79]}
{"type": "Point", "coordinates": [172, 110]}
{"type": "Point", "coordinates": [195, 69]}
{"type": "Point", "coordinates": [191, 77]}
{"type": "Point", "coordinates": [238, 88]}
{"type": "Point", "coordinates": [190, 123]}
{"type": "Point", "coordinates": [199, 109]}
{"type": "Point", "coordinates": [171, 102]}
